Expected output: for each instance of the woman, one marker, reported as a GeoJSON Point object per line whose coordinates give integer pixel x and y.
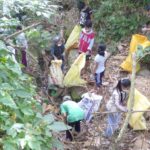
{"type": "Point", "coordinates": [116, 103]}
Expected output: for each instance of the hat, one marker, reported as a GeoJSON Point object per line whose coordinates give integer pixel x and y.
{"type": "Point", "coordinates": [66, 98]}
{"type": "Point", "coordinates": [56, 39]}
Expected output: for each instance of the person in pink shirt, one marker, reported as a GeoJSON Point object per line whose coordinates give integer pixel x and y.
{"type": "Point", "coordinates": [86, 41]}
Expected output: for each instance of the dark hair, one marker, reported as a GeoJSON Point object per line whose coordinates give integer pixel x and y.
{"type": "Point", "coordinates": [102, 53]}
{"type": "Point", "coordinates": [102, 47]}
{"type": "Point", "coordinates": [88, 23]}
{"type": "Point", "coordinates": [123, 83]}
{"type": "Point", "coordinates": [81, 5]}
{"type": "Point", "coordinates": [19, 28]}
{"type": "Point", "coordinates": [147, 8]}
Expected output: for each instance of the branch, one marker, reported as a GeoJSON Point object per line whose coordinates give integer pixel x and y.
{"type": "Point", "coordinates": [25, 29]}
{"type": "Point", "coordinates": [131, 99]}
{"type": "Point", "coordinates": [143, 56]}
{"type": "Point", "coordinates": [112, 112]}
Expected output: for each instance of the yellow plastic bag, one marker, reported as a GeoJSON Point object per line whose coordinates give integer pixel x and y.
{"type": "Point", "coordinates": [56, 75]}
{"type": "Point", "coordinates": [137, 121]}
{"type": "Point", "coordinates": [73, 39]}
{"type": "Point", "coordinates": [135, 41]}
{"type": "Point", "coordinates": [72, 77]}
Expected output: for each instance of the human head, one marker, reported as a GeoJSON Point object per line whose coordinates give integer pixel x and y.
{"type": "Point", "coordinates": [123, 84]}
{"type": "Point", "coordinates": [88, 25]}
{"type": "Point", "coordinates": [66, 98]}
{"type": "Point", "coordinates": [19, 27]}
{"type": "Point", "coordinates": [81, 5]}
{"type": "Point", "coordinates": [101, 49]}
{"type": "Point", "coordinates": [148, 10]}
{"type": "Point", "coordinates": [57, 40]}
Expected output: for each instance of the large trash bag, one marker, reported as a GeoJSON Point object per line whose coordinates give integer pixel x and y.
{"type": "Point", "coordinates": [72, 77]}
{"type": "Point", "coordinates": [73, 39]}
{"type": "Point", "coordinates": [135, 41]}
{"type": "Point", "coordinates": [56, 75]}
{"type": "Point", "coordinates": [137, 120]}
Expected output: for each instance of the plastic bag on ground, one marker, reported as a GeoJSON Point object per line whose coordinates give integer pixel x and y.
{"type": "Point", "coordinates": [72, 41]}
{"type": "Point", "coordinates": [72, 77]}
{"type": "Point", "coordinates": [56, 75]}
{"type": "Point", "coordinates": [90, 104]}
{"type": "Point", "coordinates": [137, 121]}
{"type": "Point", "coordinates": [135, 41]}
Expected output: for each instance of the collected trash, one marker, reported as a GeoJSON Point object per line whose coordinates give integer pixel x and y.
{"type": "Point", "coordinates": [72, 77]}
{"type": "Point", "coordinates": [90, 104]}
{"type": "Point", "coordinates": [135, 42]}
{"type": "Point", "coordinates": [137, 121]}
{"type": "Point", "coordinates": [73, 39]}
{"type": "Point", "coordinates": [56, 75]}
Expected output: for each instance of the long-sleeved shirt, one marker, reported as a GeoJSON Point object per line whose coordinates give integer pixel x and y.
{"type": "Point", "coordinates": [114, 102]}
{"type": "Point", "coordinates": [57, 51]}
{"type": "Point", "coordinates": [86, 41]}
{"type": "Point", "coordinates": [21, 40]}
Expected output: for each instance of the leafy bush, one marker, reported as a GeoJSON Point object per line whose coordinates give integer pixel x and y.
{"type": "Point", "coordinates": [22, 124]}
{"type": "Point", "coordinates": [117, 19]}
{"type": "Point", "coordinates": [143, 55]}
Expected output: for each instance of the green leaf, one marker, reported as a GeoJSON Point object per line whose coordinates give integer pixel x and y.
{"type": "Point", "coordinates": [34, 145]}
{"type": "Point", "coordinates": [57, 144]}
{"type": "Point", "coordinates": [27, 111]}
{"type": "Point", "coordinates": [49, 118]}
{"type": "Point", "coordinates": [59, 126]}
{"type": "Point", "coordinates": [23, 94]}
{"type": "Point", "coordinates": [7, 101]}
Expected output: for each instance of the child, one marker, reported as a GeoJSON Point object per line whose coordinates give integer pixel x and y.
{"type": "Point", "coordinates": [116, 102]}
{"type": "Point", "coordinates": [85, 13]}
{"type": "Point", "coordinates": [57, 49]}
{"type": "Point", "coordinates": [73, 115]}
{"type": "Point", "coordinates": [86, 41]}
{"type": "Point", "coordinates": [22, 42]}
{"type": "Point", "coordinates": [99, 66]}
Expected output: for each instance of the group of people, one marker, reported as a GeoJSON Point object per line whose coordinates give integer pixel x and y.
{"type": "Point", "coordinates": [70, 110]}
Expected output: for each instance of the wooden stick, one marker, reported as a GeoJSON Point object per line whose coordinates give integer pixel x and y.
{"type": "Point", "coordinates": [131, 100]}
{"type": "Point", "coordinates": [112, 112]}
{"type": "Point", "coordinates": [25, 29]}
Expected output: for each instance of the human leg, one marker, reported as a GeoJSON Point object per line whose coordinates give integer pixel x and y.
{"type": "Point", "coordinates": [77, 126]}
{"type": "Point", "coordinates": [68, 132]}
{"type": "Point", "coordinates": [112, 124]}
{"type": "Point", "coordinates": [24, 57]}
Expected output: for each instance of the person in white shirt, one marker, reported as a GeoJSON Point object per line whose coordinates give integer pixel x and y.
{"type": "Point", "coordinates": [115, 104]}
{"type": "Point", "coordinates": [99, 65]}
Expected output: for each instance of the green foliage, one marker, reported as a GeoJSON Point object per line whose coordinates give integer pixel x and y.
{"type": "Point", "coordinates": [36, 8]}
{"type": "Point", "coordinates": [143, 54]}
{"type": "Point", "coordinates": [22, 125]}
{"type": "Point", "coordinates": [117, 19]}
{"type": "Point", "coordinates": [39, 40]}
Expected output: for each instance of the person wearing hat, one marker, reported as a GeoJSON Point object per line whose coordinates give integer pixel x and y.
{"type": "Point", "coordinates": [73, 114]}
{"type": "Point", "coordinates": [57, 49]}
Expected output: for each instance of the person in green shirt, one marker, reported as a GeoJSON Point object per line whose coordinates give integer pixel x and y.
{"type": "Point", "coordinates": [73, 115]}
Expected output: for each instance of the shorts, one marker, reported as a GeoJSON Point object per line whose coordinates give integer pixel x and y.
{"type": "Point", "coordinates": [98, 78]}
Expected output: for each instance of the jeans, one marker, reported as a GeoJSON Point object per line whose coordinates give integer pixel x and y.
{"type": "Point", "coordinates": [112, 124]}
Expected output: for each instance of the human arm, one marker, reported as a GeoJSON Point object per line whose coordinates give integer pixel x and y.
{"type": "Point", "coordinates": [52, 52]}
{"type": "Point", "coordinates": [117, 103]}
{"type": "Point", "coordinates": [90, 45]}
{"type": "Point", "coordinates": [145, 29]}
{"type": "Point", "coordinates": [95, 67]}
